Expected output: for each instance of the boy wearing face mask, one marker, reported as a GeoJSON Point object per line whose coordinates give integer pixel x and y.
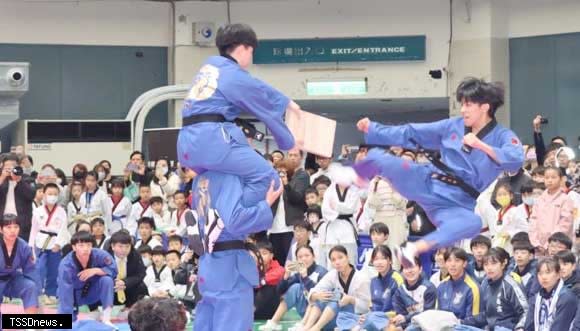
{"type": "Point", "coordinates": [47, 236]}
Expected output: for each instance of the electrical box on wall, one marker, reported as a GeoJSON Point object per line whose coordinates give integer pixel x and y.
{"type": "Point", "coordinates": [204, 34]}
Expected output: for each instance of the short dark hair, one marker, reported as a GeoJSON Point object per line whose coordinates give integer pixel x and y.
{"type": "Point", "coordinates": [79, 223]}
{"type": "Point", "coordinates": [97, 220]}
{"type": "Point", "coordinates": [523, 246]}
{"type": "Point", "coordinates": [522, 237]}
{"type": "Point", "coordinates": [305, 247]}
{"type": "Point", "coordinates": [417, 263]}
{"type": "Point", "coordinates": [180, 192]}
{"type": "Point", "coordinates": [266, 245]}
{"type": "Point", "coordinates": [557, 170]}
{"type": "Point", "coordinates": [233, 35]}
{"type": "Point", "coordinates": [480, 240]}
{"type": "Point", "coordinates": [310, 190]}
{"type": "Point", "coordinates": [121, 237]}
{"type": "Point", "coordinates": [303, 225]}
{"type": "Point", "coordinates": [561, 238]}
{"type": "Point", "coordinates": [497, 254]}
{"type": "Point", "coordinates": [559, 137]}
{"type": "Point", "coordinates": [39, 187]}
{"type": "Point", "coordinates": [173, 251]}
{"type": "Point", "coordinates": [175, 237]}
{"type": "Point", "coordinates": [458, 253]}
{"type": "Point", "coordinates": [539, 170]}
{"type": "Point", "coordinates": [379, 227]}
{"type": "Point", "coordinates": [314, 210]}
{"type": "Point", "coordinates": [158, 250]}
{"type": "Point", "coordinates": [527, 187]}
{"type": "Point", "coordinates": [477, 90]}
{"type": "Point", "coordinates": [82, 237]}
{"type": "Point", "coordinates": [159, 314]}
{"type": "Point", "coordinates": [118, 182]}
{"type": "Point", "coordinates": [337, 248]}
{"type": "Point", "coordinates": [384, 250]}
{"type": "Point", "coordinates": [136, 153]}
{"type": "Point", "coordinates": [566, 256]}
{"type": "Point", "coordinates": [321, 180]}
{"type": "Point", "coordinates": [551, 262]}
{"type": "Point", "coordinates": [156, 200]}
{"type": "Point", "coordinates": [144, 249]}
{"type": "Point", "coordinates": [92, 173]}
{"type": "Point", "coordinates": [50, 185]}
{"type": "Point", "coordinates": [146, 220]}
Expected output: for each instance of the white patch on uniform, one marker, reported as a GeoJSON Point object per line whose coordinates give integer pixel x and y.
{"type": "Point", "coordinates": [457, 298]}
{"type": "Point", "coordinates": [314, 276]}
{"type": "Point", "coordinates": [205, 84]}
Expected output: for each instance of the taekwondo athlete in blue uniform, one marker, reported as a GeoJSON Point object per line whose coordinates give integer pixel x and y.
{"type": "Point", "coordinates": [221, 91]}
{"type": "Point", "coordinates": [86, 276]}
{"type": "Point", "coordinates": [17, 267]}
{"type": "Point", "coordinates": [227, 272]}
{"type": "Point", "coordinates": [474, 149]}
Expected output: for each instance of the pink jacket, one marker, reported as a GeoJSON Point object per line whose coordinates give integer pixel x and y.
{"type": "Point", "coordinates": [551, 213]}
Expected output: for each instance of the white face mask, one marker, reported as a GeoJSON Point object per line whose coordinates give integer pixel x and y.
{"type": "Point", "coordinates": [59, 181]}
{"type": "Point", "coordinates": [146, 261]}
{"type": "Point", "coordinates": [529, 200]}
{"type": "Point", "coordinates": [164, 170]}
{"type": "Point", "coordinates": [51, 199]}
{"type": "Point", "coordinates": [101, 175]}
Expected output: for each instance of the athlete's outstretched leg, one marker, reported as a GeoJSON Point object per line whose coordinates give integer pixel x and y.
{"type": "Point", "coordinates": [453, 224]}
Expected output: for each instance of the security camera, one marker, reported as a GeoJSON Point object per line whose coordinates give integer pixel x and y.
{"type": "Point", "coordinates": [15, 77]}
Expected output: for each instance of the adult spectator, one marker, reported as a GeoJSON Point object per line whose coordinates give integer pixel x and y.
{"type": "Point", "coordinates": [139, 172]}
{"type": "Point", "coordinates": [159, 314]}
{"type": "Point", "coordinates": [17, 192]}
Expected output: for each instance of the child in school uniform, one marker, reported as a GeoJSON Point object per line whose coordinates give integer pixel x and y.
{"type": "Point", "coordinates": [47, 236]}
{"type": "Point", "coordinates": [379, 236]}
{"type": "Point", "coordinates": [302, 233]}
{"type": "Point", "coordinates": [139, 210]}
{"type": "Point", "coordinates": [120, 206]}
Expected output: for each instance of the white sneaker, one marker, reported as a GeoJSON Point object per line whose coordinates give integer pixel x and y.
{"type": "Point", "coordinates": [109, 323]}
{"type": "Point", "coordinates": [406, 254]}
{"type": "Point", "coordinates": [270, 326]}
{"type": "Point", "coordinates": [297, 327]}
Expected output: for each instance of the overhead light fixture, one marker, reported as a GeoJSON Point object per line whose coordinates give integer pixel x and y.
{"type": "Point", "coordinates": [349, 86]}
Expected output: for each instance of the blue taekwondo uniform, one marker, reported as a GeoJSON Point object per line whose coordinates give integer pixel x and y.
{"type": "Point", "coordinates": [72, 292]}
{"type": "Point", "coordinates": [228, 274]}
{"type": "Point", "coordinates": [209, 140]}
{"type": "Point", "coordinates": [450, 207]}
{"type": "Point", "coordinates": [17, 273]}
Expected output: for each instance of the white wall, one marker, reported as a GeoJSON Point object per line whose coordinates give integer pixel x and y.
{"type": "Point", "coordinates": [543, 17]}
{"type": "Point", "coordinates": [325, 19]}
{"type": "Point", "coordinates": [119, 22]}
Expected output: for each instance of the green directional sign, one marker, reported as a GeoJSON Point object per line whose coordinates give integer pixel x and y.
{"type": "Point", "coordinates": [364, 49]}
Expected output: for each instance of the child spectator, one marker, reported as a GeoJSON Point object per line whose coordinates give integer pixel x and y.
{"type": "Point", "coordinates": [120, 206]}
{"type": "Point", "coordinates": [314, 218]}
{"type": "Point", "coordinates": [145, 252]}
{"type": "Point", "coordinates": [173, 260]}
{"type": "Point", "coordinates": [47, 236]}
{"type": "Point", "coordinates": [551, 213]}
{"type": "Point", "coordinates": [442, 273]}
{"type": "Point", "coordinates": [158, 278]}
{"type": "Point", "coordinates": [569, 271]}
{"type": "Point", "coordinates": [554, 307]}
{"type": "Point", "coordinates": [94, 202]}
{"type": "Point", "coordinates": [98, 232]}
{"type": "Point", "coordinates": [311, 197]}
{"type": "Point", "coordinates": [178, 225]}
{"type": "Point", "coordinates": [38, 197]}
{"type": "Point", "coordinates": [416, 295]}
{"type": "Point", "coordinates": [146, 228]}
{"type": "Point", "coordinates": [129, 285]}
{"type": "Point", "coordinates": [302, 233]}
{"type": "Point", "coordinates": [459, 293]}
{"type": "Point", "coordinates": [175, 243]}
{"type": "Point", "coordinates": [266, 298]}
{"type": "Point", "coordinates": [299, 278]}
{"type": "Point", "coordinates": [379, 235]}
{"type": "Point", "coordinates": [139, 210]}
{"type": "Point", "coordinates": [161, 216]}
{"type": "Point", "coordinates": [479, 247]}
{"type": "Point", "coordinates": [74, 208]}
{"type": "Point", "coordinates": [525, 264]}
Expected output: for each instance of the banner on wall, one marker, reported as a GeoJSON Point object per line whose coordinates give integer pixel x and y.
{"type": "Point", "coordinates": [362, 49]}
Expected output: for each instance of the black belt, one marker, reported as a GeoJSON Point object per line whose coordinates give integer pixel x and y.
{"type": "Point", "coordinates": [52, 234]}
{"type": "Point", "coordinates": [239, 244]}
{"type": "Point", "coordinates": [348, 217]}
{"type": "Point", "coordinates": [454, 181]}
{"type": "Point", "coordinates": [5, 278]}
{"type": "Point", "coordinates": [228, 245]}
{"type": "Point", "coordinates": [345, 217]}
{"type": "Point", "coordinates": [194, 119]}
